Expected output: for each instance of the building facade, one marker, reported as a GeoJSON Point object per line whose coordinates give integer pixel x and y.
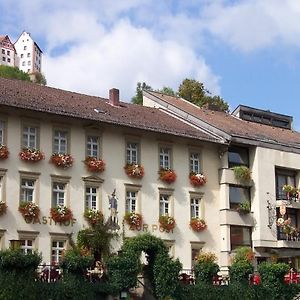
{"type": "Point", "coordinates": [29, 54]}
{"type": "Point", "coordinates": [8, 52]}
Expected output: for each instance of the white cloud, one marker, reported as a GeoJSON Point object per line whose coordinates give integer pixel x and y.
{"type": "Point", "coordinates": [122, 56]}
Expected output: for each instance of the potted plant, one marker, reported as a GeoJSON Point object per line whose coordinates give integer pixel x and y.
{"type": "Point", "coordinates": [167, 223]}
{"type": "Point", "coordinates": [61, 214]}
{"type": "Point", "coordinates": [244, 207]}
{"type": "Point", "coordinates": [31, 155]}
{"type": "Point", "coordinates": [133, 219]}
{"type": "Point", "coordinates": [93, 216]}
{"type": "Point", "coordinates": [94, 165]}
{"type": "Point", "coordinates": [3, 152]}
{"type": "Point", "coordinates": [29, 210]}
{"type": "Point", "coordinates": [242, 173]}
{"type": "Point", "coordinates": [198, 224]}
{"type": "Point", "coordinates": [197, 179]}
{"type": "Point", "coordinates": [291, 191]}
{"type": "Point", "coordinates": [167, 175]}
{"type": "Point", "coordinates": [62, 160]}
{"type": "Point", "coordinates": [3, 208]}
{"type": "Point", "coordinates": [134, 170]}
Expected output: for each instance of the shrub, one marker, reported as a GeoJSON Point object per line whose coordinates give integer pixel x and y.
{"type": "Point", "coordinates": [272, 274]}
{"type": "Point", "coordinates": [206, 268]}
{"type": "Point", "coordinates": [242, 173]}
{"type": "Point", "coordinates": [240, 271]}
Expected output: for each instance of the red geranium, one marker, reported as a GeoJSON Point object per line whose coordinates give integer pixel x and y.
{"type": "Point", "coordinates": [94, 165]}
{"type": "Point", "coordinates": [31, 155]}
{"type": "Point", "coordinates": [167, 223]}
{"type": "Point", "coordinates": [167, 175]}
{"type": "Point", "coordinates": [61, 214]}
{"type": "Point", "coordinates": [198, 224]}
{"type": "Point", "coordinates": [3, 152]}
{"type": "Point", "coordinates": [134, 170]}
{"type": "Point", "coordinates": [62, 160]}
{"type": "Point", "coordinates": [197, 179]}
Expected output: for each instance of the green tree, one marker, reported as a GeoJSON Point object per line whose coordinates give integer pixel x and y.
{"type": "Point", "coordinates": [39, 78]}
{"type": "Point", "coordinates": [138, 98]}
{"type": "Point", "coordinates": [13, 73]}
{"type": "Point", "coordinates": [195, 92]}
{"type": "Point", "coordinates": [167, 90]}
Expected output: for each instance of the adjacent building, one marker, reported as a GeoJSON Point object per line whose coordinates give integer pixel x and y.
{"type": "Point", "coordinates": [167, 132]}
{"type": "Point", "coordinates": [29, 54]}
{"type": "Point", "coordinates": [8, 52]}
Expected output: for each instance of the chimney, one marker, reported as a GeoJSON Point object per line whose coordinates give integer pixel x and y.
{"type": "Point", "coordinates": [114, 99]}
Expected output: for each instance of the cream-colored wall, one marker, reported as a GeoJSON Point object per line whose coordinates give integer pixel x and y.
{"type": "Point", "coordinates": [113, 146]}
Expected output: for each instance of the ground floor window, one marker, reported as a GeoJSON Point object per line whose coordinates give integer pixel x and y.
{"type": "Point", "coordinates": [57, 250]}
{"type": "Point", "coordinates": [27, 246]}
{"type": "Point", "coordinates": [240, 236]}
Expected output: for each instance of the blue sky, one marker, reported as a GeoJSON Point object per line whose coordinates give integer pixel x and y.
{"type": "Point", "coordinates": [245, 51]}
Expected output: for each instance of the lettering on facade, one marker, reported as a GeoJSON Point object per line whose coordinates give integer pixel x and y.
{"type": "Point", "coordinates": [48, 220]}
{"type": "Point", "coordinates": [154, 227]}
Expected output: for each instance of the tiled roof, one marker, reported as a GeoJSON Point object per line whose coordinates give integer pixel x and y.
{"type": "Point", "coordinates": [234, 126]}
{"type": "Point", "coordinates": [27, 95]}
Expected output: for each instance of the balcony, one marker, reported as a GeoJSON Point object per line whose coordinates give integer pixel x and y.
{"type": "Point", "coordinates": [288, 244]}
{"type": "Point", "coordinates": [226, 176]}
{"type": "Point", "coordinates": [232, 217]}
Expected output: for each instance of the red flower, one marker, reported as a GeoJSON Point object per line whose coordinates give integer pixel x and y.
{"type": "Point", "coordinates": [197, 179]}
{"type": "Point", "coordinates": [198, 224]}
{"type": "Point", "coordinates": [167, 175]}
{"type": "Point", "coordinates": [62, 160]}
{"type": "Point", "coordinates": [134, 220]}
{"type": "Point", "coordinates": [94, 165]}
{"type": "Point", "coordinates": [29, 210]}
{"type": "Point", "coordinates": [3, 208]}
{"type": "Point", "coordinates": [167, 223]}
{"type": "Point", "coordinates": [134, 170]}
{"type": "Point", "coordinates": [61, 214]}
{"type": "Point", "coordinates": [93, 217]}
{"type": "Point", "coordinates": [3, 152]}
{"type": "Point", "coordinates": [31, 155]}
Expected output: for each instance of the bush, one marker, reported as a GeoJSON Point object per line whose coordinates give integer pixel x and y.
{"type": "Point", "coordinates": [239, 272]}
{"type": "Point", "coordinates": [73, 262]}
{"type": "Point", "coordinates": [206, 268]}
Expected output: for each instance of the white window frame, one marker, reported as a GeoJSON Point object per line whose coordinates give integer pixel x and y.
{"type": "Point", "coordinates": [27, 191]}
{"type": "Point", "coordinates": [165, 157]}
{"type": "Point", "coordinates": [131, 201]}
{"type": "Point", "coordinates": [195, 207]}
{"type": "Point", "coordinates": [91, 197]}
{"type": "Point", "coordinates": [93, 147]}
{"type": "Point", "coordinates": [27, 135]}
{"type": "Point", "coordinates": [26, 248]}
{"type": "Point", "coordinates": [60, 136]}
{"type": "Point", "coordinates": [58, 193]}
{"type": "Point", "coordinates": [57, 250]}
{"type": "Point", "coordinates": [164, 205]}
{"type": "Point", "coordinates": [132, 152]}
{"type": "Point", "coordinates": [195, 162]}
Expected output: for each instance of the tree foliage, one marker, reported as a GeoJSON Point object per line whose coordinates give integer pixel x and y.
{"type": "Point", "coordinates": [190, 89]}
{"type": "Point", "coordinates": [13, 73]}
{"type": "Point", "coordinates": [39, 78]}
{"type": "Point", "coordinates": [138, 98]}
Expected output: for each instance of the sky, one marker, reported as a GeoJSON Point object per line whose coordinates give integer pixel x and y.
{"type": "Point", "coordinates": [248, 52]}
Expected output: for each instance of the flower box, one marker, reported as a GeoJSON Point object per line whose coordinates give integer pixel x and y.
{"type": "Point", "coordinates": [133, 219]}
{"type": "Point", "coordinates": [61, 214]}
{"type": "Point", "coordinates": [3, 152]}
{"type": "Point", "coordinates": [197, 179]}
{"type": "Point", "coordinates": [3, 208]}
{"type": "Point", "coordinates": [31, 155]}
{"type": "Point", "coordinates": [62, 160]}
{"type": "Point", "coordinates": [167, 175]}
{"type": "Point", "coordinates": [242, 173]}
{"type": "Point", "coordinates": [93, 216]}
{"type": "Point", "coordinates": [94, 165]}
{"type": "Point", "coordinates": [244, 207]}
{"type": "Point", "coordinates": [291, 192]}
{"type": "Point", "coordinates": [198, 224]}
{"type": "Point", "coordinates": [167, 223]}
{"type": "Point", "coordinates": [134, 170]}
{"type": "Point", "coordinates": [29, 210]}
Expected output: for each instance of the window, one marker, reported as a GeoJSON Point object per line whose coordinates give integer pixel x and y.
{"type": "Point", "coordinates": [164, 205]}
{"type": "Point", "coordinates": [23, 63]}
{"type": "Point", "coordinates": [8, 60]}
{"type": "Point", "coordinates": [60, 143]}
{"type": "Point", "coordinates": [1, 132]}
{"type": "Point", "coordinates": [30, 137]}
{"type": "Point", "coordinates": [8, 52]}
{"type": "Point", "coordinates": [164, 158]}
{"type": "Point", "coordinates": [27, 246]}
{"type": "Point", "coordinates": [91, 195]}
{"type": "Point", "coordinates": [92, 146]}
{"type": "Point", "coordinates": [25, 48]}
{"type": "Point", "coordinates": [57, 250]}
{"type": "Point", "coordinates": [28, 54]}
{"type": "Point", "coordinates": [29, 63]}
{"type": "Point", "coordinates": [195, 163]}
{"type": "Point", "coordinates": [131, 201]}
{"type": "Point", "coordinates": [132, 153]}
{"type": "Point", "coordinates": [283, 177]}
{"type": "Point", "coordinates": [238, 156]}
{"type": "Point", "coordinates": [58, 194]}
{"type": "Point", "coordinates": [238, 195]}
{"type": "Point", "coordinates": [195, 207]}
{"type": "Point", "coordinates": [240, 236]}
{"type": "Point", "coordinates": [3, 51]}
{"type": "Point", "coordinates": [22, 55]}
{"type": "Point", "coordinates": [3, 58]}
{"type": "Point", "coordinates": [196, 248]}
{"type": "Point", "coordinates": [290, 213]}
{"type": "Point", "coordinates": [27, 190]}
